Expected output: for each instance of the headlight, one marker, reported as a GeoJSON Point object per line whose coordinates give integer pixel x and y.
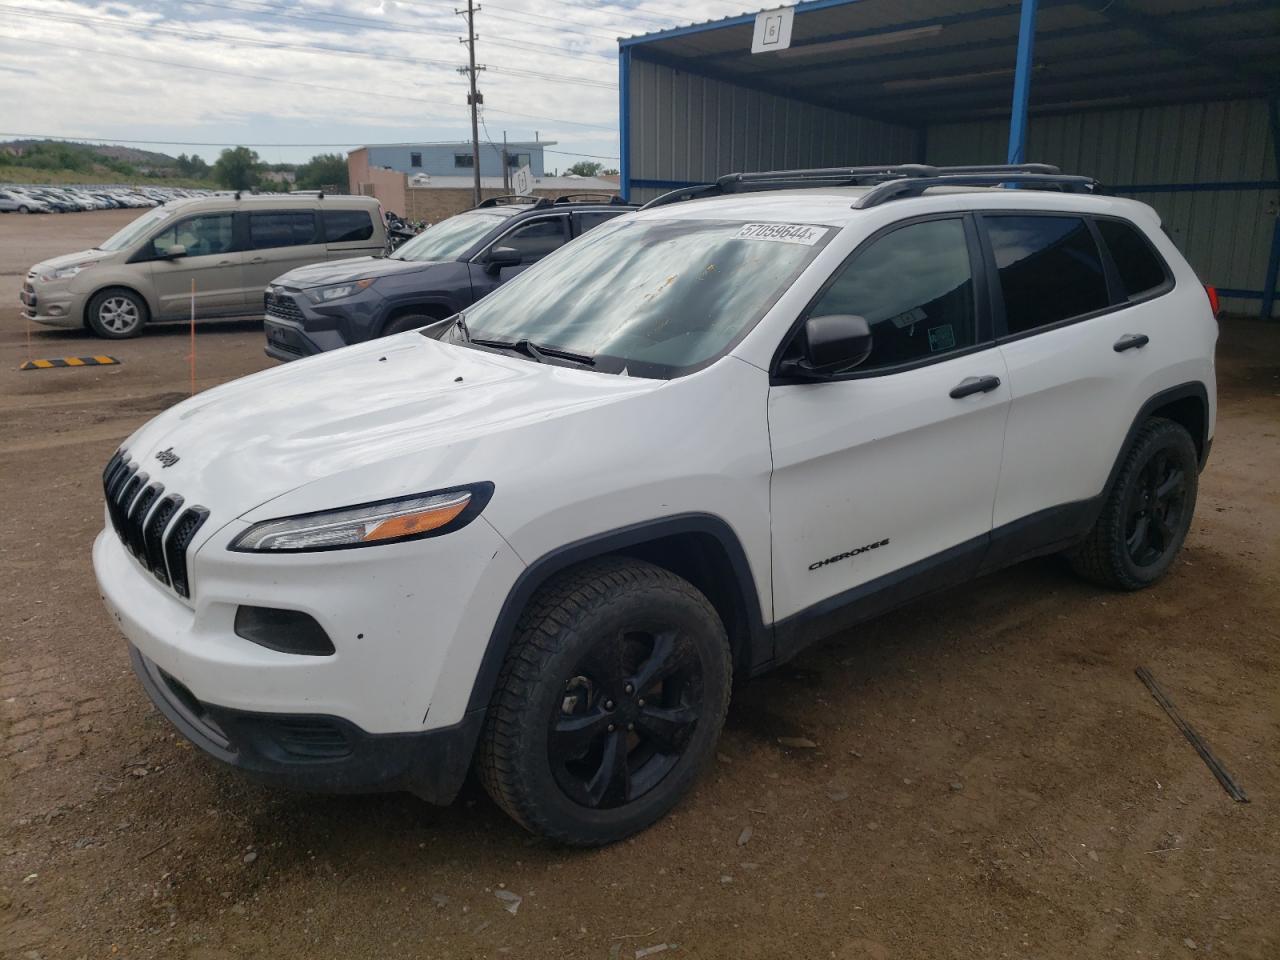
{"type": "Point", "coordinates": [337, 291]}
{"type": "Point", "coordinates": [66, 273]}
{"type": "Point", "coordinates": [387, 521]}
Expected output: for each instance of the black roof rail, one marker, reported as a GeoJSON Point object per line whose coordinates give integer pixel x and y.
{"type": "Point", "coordinates": [914, 186]}
{"type": "Point", "coordinates": [603, 197]}
{"type": "Point", "coordinates": [512, 199]}
{"type": "Point", "coordinates": [868, 175]}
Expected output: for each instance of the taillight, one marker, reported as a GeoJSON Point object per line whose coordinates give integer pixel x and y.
{"type": "Point", "coordinates": [1214, 305]}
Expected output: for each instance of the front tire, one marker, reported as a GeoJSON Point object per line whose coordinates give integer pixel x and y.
{"type": "Point", "coordinates": [1147, 513]}
{"type": "Point", "coordinates": [408, 322]}
{"type": "Point", "coordinates": [609, 703]}
{"type": "Point", "coordinates": [116, 314]}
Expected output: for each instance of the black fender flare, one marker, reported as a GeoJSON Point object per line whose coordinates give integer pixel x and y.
{"type": "Point", "coordinates": [1191, 389]}
{"type": "Point", "coordinates": [760, 637]}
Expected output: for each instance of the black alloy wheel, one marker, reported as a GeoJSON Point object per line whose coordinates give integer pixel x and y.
{"type": "Point", "coordinates": [626, 717]}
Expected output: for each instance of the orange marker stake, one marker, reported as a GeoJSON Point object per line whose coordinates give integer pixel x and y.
{"type": "Point", "coordinates": [192, 355]}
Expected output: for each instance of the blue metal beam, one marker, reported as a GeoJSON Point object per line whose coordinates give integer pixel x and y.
{"type": "Point", "coordinates": [1273, 261]}
{"type": "Point", "coordinates": [1022, 82]}
{"type": "Point", "coordinates": [624, 123]}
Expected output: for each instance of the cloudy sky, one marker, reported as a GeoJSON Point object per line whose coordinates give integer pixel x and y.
{"type": "Point", "coordinates": [299, 77]}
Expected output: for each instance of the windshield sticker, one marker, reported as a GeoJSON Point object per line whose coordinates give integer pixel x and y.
{"type": "Point", "coordinates": [801, 233]}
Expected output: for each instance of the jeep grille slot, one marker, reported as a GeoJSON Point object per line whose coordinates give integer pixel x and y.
{"type": "Point", "coordinates": [153, 527]}
{"type": "Point", "coordinates": [175, 548]}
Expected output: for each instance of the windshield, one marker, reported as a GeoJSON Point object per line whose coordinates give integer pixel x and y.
{"type": "Point", "coordinates": [449, 239]}
{"type": "Point", "coordinates": [135, 230]}
{"type": "Point", "coordinates": [652, 298]}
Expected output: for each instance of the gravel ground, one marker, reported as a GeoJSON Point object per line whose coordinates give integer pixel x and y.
{"type": "Point", "coordinates": [987, 777]}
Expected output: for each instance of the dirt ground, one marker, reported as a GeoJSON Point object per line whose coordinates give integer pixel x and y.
{"type": "Point", "coordinates": [989, 778]}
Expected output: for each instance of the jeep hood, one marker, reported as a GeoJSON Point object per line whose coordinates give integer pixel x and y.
{"type": "Point", "coordinates": [340, 271]}
{"type": "Point", "coordinates": [400, 415]}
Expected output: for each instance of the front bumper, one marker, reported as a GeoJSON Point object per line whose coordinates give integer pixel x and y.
{"type": "Point", "coordinates": [316, 752]}
{"type": "Point", "coordinates": [51, 307]}
{"type": "Point", "coordinates": [296, 327]}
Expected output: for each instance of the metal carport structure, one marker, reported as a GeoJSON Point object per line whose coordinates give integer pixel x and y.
{"type": "Point", "coordinates": [1172, 101]}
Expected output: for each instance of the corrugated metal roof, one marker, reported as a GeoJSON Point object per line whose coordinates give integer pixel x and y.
{"type": "Point", "coordinates": [915, 62]}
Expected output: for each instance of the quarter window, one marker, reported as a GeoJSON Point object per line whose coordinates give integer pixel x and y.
{"type": "Point", "coordinates": [281, 229]}
{"type": "Point", "coordinates": [535, 240]}
{"type": "Point", "coordinates": [344, 226]}
{"type": "Point", "coordinates": [914, 286]}
{"type": "Point", "coordinates": [1140, 270]}
{"type": "Point", "coordinates": [1050, 270]}
{"type": "Point", "coordinates": [201, 236]}
{"type": "Point", "coordinates": [588, 221]}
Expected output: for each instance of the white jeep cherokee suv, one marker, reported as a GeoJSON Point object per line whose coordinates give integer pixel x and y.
{"type": "Point", "coordinates": [542, 539]}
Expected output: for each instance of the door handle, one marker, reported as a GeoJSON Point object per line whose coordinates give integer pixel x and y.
{"type": "Point", "coordinates": [1131, 341]}
{"type": "Point", "coordinates": [258, 260]}
{"type": "Point", "coordinates": [225, 263]}
{"type": "Point", "coordinates": [974, 385]}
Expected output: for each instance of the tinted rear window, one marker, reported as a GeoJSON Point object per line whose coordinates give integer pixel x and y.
{"type": "Point", "coordinates": [344, 226]}
{"type": "Point", "coordinates": [281, 229]}
{"type": "Point", "coordinates": [1139, 267]}
{"type": "Point", "coordinates": [1050, 269]}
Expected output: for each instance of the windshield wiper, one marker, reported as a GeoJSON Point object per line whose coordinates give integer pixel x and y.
{"type": "Point", "coordinates": [533, 351]}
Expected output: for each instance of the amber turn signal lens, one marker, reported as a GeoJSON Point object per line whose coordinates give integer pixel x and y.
{"type": "Point", "coordinates": [414, 523]}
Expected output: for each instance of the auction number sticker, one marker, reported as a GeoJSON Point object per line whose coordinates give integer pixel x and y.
{"type": "Point", "coordinates": [802, 233]}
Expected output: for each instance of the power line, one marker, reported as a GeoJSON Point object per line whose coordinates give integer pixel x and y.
{"type": "Point", "coordinates": [86, 19]}
{"type": "Point", "coordinates": [392, 26]}
{"type": "Point", "coordinates": [237, 143]}
{"type": "Point", "coordinates": [320, 86]}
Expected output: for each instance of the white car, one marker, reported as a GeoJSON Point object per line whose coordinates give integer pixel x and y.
{"type": "Point", "coordinates": [11, 201]}
{"type": "Point", "coordinates": [543, 538]}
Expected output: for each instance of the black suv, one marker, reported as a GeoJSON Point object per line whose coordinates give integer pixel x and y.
{"type": "Point", "coordinates": [443, 270]}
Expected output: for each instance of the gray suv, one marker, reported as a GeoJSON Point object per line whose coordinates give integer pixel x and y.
{"type": "Point", "coordinates": [443, 270]}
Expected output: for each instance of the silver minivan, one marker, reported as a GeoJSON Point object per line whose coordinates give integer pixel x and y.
{"type": "Point", "coordinates": [219, 252]}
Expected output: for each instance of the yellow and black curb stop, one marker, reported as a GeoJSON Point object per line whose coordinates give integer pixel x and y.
{"type": "Point", "coordinates": [68, 362]}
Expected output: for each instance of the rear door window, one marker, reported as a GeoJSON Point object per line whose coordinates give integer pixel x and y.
{"type": "Point", "coordinates": [1138, 265]}
{"type": "Point", "coordinates": [1050, 269]}
{"type": "Point", "coordinates": [346, 226]}
{"type": "Point", "coordinates": [283, 228]}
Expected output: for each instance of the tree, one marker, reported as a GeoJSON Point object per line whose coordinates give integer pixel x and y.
{"type": "Point", "coordinates": [192, 166]}
{"type": "Point", "coordinates": [609, 173]}
{"type": "Point", "coordinates": [237, 168]}
{"type": "Point", "coordinates": [322, 170]}
{"type": "Point", "coordinates": [584, 168]}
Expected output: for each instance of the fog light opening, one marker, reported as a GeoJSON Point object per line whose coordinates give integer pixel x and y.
{"type": "Point", "coordinates": [285, 631]}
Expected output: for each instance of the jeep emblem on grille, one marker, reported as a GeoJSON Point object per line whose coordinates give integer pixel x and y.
{"type": "Point", "coordinates": [167, 457]}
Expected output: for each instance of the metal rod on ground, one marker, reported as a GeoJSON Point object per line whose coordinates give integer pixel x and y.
{"type": "Point", "coordinates": [1202, 748]}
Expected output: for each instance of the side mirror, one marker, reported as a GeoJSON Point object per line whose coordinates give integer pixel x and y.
{"type": "Point", "coordinates": [500, 257]}
{"type": "Point", "coordinates": [175, 251]}
{"type": "Point", "coordinates": [831, 344]}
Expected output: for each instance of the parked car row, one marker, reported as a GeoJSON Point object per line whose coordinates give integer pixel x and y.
{"type": "Point", "coordinates": [321, 260]}
{"type": "Point", "coordinates": [40, 198]}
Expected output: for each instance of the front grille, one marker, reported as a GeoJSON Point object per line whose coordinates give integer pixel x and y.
{"type": "Point", "coordinates": [313, 738]}
{"type": "Point", "coordinates": [153, 527]}
{"type": "Point", "coordinates": [282, 307]}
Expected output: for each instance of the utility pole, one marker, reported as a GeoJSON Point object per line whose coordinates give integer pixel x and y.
{"type": "Point", "coordinates": [506, 166]}
{"type": "Point", "coordinates": [474, 98]}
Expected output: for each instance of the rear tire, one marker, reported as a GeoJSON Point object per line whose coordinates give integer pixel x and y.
{"type": "Point", "coordinates": [116, 313]}
{"type": "Point", "coordinates": [609, 703]}
{"type": "Point", "coordinates": [1147, 512]}
{"type": "Point", "coordinates": [24, 209]}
